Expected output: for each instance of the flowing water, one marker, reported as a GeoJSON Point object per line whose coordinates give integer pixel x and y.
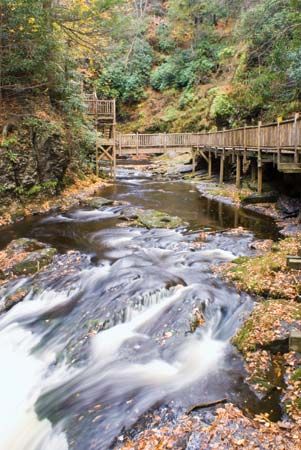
{"type": "Point", "coordinates": [104, 334]}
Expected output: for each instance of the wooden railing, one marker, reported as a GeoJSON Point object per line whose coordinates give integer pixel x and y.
{"type": "Point", "coordinates": [284, 134]}
{"type": "Point", "coordinates": [100, 108]}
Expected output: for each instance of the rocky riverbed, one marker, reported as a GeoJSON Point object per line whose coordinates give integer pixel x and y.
{"type": "Point", "coordinates": [126, 292]}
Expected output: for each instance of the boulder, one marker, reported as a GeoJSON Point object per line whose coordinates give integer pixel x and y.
{"type": "Point", "coordinates": [24, 257]}
{"type": "Point", "coordinates": [97, 202]}
{"type": "Point", "coordinates": [289, 207]}
{"type": "Point", "coordinates": [24, 245]}
{"type": "Point", "coordinates": [151, 218]}
{"type": "Point", "coordinates": [34, 262]}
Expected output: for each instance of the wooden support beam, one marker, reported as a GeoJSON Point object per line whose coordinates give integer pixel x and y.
{"type": "Point", "coordinates": [279, 119]}
{"type": "Point", "coordinates": [193, 160]}
{"type": "Point", "coordinates": [221, 167]}
{"type": "Point", "coordinates": [105, 152]}
{"type": "Point", "coordinates": [259, 178]}
{"type": "Point", "coordinates": [114, 152]}
{"type": "Point", "coordinates": [238, 170]}
{"type": "Point", "coordinates": [259, 160]}
{"type": "Point", "coordinates": [204, 156]}
{"type": "Point", "coordinates": [296, 155]}
{"type": "Point", "coordinates": [96, 155]}
{"type": "Point", "coordinates": [210, 164]}
{"type": "Point", "coordinates": [253, 170]}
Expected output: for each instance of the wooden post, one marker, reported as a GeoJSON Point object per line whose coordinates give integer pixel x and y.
{"type": "Point", "coordinates": [209, 164]}
{"type": "Point", "coordinates": [245, 159]}
{"type": "Point", "coordinates": [96, 156]}
{"type": "Point", "coordinates": [114, 152]}
{"type": "Point", "coordinates": [165, 142]}
{"type": "Point", "coordinates": [296, 156]}
{"type": "Point", "coordinates": [221, 167]}
{"type": "Point", "coordinates": [137, 144]}
{"type": "Point", "coordinates": [238, 170]}
{"type": "Point", "coordinates": [235, 217]}
{"type": "Point", "coordinates": [120, 148]}
{"type": "Point", "coordinates": [222, 160]}
{"type": "Point", "coordinates": [253, 170]}
{"type": "Point", "coordinates": [279, 120]}
{"type": "Point", "coordinates": [259, 178]}
{"type": "Point", "coordinates": [193, 159]}
{"type": "Point", "coordinates": [259, 160]}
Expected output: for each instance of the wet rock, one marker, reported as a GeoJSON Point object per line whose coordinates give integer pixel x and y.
{"type": "Point", "coordinates": [156, 219]}
{"type": "Point", "coordinates": [295, 341]}
{"type": "Point", "coordinates": [45, 160]}
{"type": "Point", "coordinates": [267, 197]}
{"type": "Point", "coordinates": [17, 297]}
{"type": "Point", "coordinates": [34, 262]}
{"type": "Point", "coordinates": [24, 245]}
{"type": "Point", "coordinates": [289, 207]}
{"type": "Point", "coordinates": [262, 246]}
{"type": "Point", "coordinates": [197, 319]}
{"type": "Point", "coordinates": [130, 213]}
{"type": "Point", "coordinates": [25, 257]}
{"type": "Point", "coordinates": [151, 218]}
{"type": "Point", "coordinates": [97, 202]}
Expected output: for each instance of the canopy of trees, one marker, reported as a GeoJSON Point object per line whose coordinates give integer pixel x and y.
{"type": "Point", "coordinates": [207, 63]}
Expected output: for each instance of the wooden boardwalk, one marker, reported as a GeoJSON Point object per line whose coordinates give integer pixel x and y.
{"type": "Point", "coordinates": [278, 143]}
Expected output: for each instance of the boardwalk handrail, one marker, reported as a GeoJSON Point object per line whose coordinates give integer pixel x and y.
{"type": "Point", "coordinates": [100, 108]}
{"type": "Point", "coordinates": [281, 134]}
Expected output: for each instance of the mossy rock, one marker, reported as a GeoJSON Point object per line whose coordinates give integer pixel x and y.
{"type": "Point", "coordinates": [241, 259]}
{"type": "Point", "coordinates": [151, 218]}
{"type": "Point", "coordinates": [34, 262]}
{"type": "Point", "coordinates": [241, 339]}
{"type": "Point", "coordinates": [24, 245]}
{"type": "Point", "coordinates": [264, 384]}
{"type": "Point", "coordinates": [98, 202]}
{"type": "Point", "coordinates": [130, 213]}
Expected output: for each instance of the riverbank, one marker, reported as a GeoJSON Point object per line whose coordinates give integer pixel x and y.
{"type": "Point", "coordinates": [18, 209]}
{"type": "Point", "coordinates": [279, 209]}
{"type": "Point", "coordinates": [263, 339]}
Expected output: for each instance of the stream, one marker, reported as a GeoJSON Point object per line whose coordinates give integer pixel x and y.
{"type": "Point", "coordinates": [104, 335]}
